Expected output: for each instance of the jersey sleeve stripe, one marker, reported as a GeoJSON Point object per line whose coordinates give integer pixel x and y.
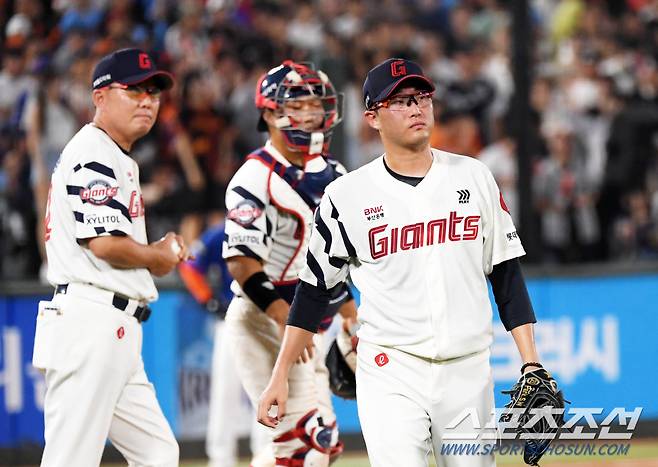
{"type": "Point", "coordinates": [77, 167]}
{"type": "Point", "coordinates": [337, 262]}
{"type": "Point", "coordinates": [73, 189]}
{"type": "Point", "coordinates": [323, 230]}
{"type": "Point", "coordinates": [346, 240]}
{"type": "Point", "coordinates": [99, 232]}
{"type": "Point", "coordinates": [245, 250]}
{"type": "Point", "coordinates": [114, 204]}
{"type": "Point", "coordinates": [101, 169]}
{"type": "Point", "coordinates": [248, 195]}
{"type": "Point", "coordinates": [250, 227]}
{"type": "Point", "coordinates": [79, 217]}
{"type": "Point", "coordinates": [316, 269]}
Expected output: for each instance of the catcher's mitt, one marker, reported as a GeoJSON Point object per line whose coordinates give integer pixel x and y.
{"type": "Point", "coordinates": [341, 363]}
{"type": "Point", "coordinates": [535, 390]}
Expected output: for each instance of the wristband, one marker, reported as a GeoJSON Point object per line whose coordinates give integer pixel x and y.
{"type": "Point", "coordinates": [526, 365]}
{"type": "Point", "coordinates": [260, 290]}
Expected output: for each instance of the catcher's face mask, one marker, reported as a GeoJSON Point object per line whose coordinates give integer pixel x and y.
{"type": "Point", "coordinates": [305, 104]}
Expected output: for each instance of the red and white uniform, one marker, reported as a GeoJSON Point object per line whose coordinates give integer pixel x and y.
{"type": "Point", "coordinates": [95, 192]}
{"type": "Point", "coordinates": [269, 217]}
{"type": "Point", "coordinates": [90, 350]}
{"type": "Point", "coordinates": [419, 255]}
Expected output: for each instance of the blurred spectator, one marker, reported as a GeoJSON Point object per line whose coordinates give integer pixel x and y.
{"type": "Point", "coordinates": [305, 30]}
{"type": "Point", "coordinates": [636, 232]}
{"type": "Point", "coordinates": [185, 40]}
{"type": "Point", "coordinates": [19, 253]}
{"type": "Point", "coordinates": [75, 89]}
{"type": "Point", "coordinates": [74, 46]}
{"type": "Point", "coordinates": [350, 21]}
{"type": "Point", "coordinates": [81, 14]}
{"type": "Point", "coordinates": [15, 83]}
{"type": "Point", "coordinates": [500, 158]}
{"type": "Point", "coordinates": [211, 139]}
{"type": "Point", "coordinates": [49, 124]}
{"type": "Point", "coordinates": [470, 94]}
{"type": "Point", "coordinates": [564, 198]}
{"type": "Point", "coordinates": [456, 131]}
{"type": "Point", "coordinates": [594, 68]}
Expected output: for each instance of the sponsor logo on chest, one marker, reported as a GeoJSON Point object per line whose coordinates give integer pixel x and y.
{"type": "Point", "coordinates": [373, 213]}
{"type": "Point", "coordinates": [385, 241]}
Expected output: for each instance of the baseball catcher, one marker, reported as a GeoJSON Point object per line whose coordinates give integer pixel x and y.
{"type": "Point", "coordinates": [535, 392]}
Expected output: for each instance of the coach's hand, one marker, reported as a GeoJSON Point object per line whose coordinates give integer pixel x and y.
{"type": "Point", "coordinates": [167, 253]}
{"type": "Point", "coordinates": [276, 393]}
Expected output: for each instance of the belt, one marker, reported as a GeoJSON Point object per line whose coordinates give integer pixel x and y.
{"type": "Point", "coordinates": [129, 306]}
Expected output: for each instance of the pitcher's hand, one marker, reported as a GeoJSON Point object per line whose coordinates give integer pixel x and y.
{"type": "Point", "coordinates": [276, 393]}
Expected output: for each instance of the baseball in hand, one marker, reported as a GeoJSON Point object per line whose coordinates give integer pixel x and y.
{"type": "Point", "coordinates": [175, 247]}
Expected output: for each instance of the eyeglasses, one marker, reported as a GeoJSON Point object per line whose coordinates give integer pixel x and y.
{"type": "Point", "coordinates": [136, 91]}
{"type": "Point", "coordinates": [403, 101]}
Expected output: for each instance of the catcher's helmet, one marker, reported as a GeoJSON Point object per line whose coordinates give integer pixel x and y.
{"type": "Point", "coordinates": [291, 81]}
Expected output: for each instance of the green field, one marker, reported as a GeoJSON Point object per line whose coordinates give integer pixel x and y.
{"type": "Point", "coordinates": [641, 454]}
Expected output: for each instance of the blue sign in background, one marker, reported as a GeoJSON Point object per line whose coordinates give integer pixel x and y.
{"type": "Point", "coordinates": [596, 335]}
{"type": "Point", "coordinates": [21, 386]}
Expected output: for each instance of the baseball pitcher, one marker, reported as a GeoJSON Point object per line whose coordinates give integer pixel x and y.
{"type": "Point", "coordinates": [419, 230]}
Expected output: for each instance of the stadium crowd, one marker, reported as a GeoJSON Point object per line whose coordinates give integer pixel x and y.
{"type": "Point", "coordinates": [593, 130]}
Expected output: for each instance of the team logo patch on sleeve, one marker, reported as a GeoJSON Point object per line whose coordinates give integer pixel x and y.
{"type": "Point", "coordinates": [98, 192]}
{"type": "Point", "coordinates": [245, 213]}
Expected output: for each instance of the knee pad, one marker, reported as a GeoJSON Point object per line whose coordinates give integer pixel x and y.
{"type": "Point", "coordinates": [320, 442]}
{"type": "Point", "coordinates": [304, 457]}
{"type": "Point", "coordinates": [335, 452]}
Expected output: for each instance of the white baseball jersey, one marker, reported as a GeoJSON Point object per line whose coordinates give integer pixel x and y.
{"type": "Point", "coordinates": [418, 255]}
{"type": "Point", "coordinates": [267, 218]}
{"type": "Point", "coordinates": [95, 192]}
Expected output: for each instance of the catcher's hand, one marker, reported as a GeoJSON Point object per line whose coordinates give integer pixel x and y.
{"type": "Point", "coordinates": [341, 363]}
{"type": "Point", "coordinates": [535, 390]}
{"type": "Point", "coordinates": [217, 307]}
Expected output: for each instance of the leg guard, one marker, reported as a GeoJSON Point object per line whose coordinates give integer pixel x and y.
{"type": "Point", "coordinates": [337, 447]}
{"type": "Point", "coordinates": [319, 441]}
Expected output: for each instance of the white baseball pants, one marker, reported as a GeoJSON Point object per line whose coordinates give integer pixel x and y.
{"type": "Point", "coordinates": [255, 342]}
{"type": "Point", "coordinates": [405, 402]}
{"type": "Point", "coordinates": [96, 386]}
{"type": "Point", "coordinates": [226, 407]}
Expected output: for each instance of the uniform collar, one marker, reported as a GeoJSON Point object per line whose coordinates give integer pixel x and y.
{"type": "Point", "coordinates": [93, 125]}
{"type": "Point", "coordinates": [274, 152]}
